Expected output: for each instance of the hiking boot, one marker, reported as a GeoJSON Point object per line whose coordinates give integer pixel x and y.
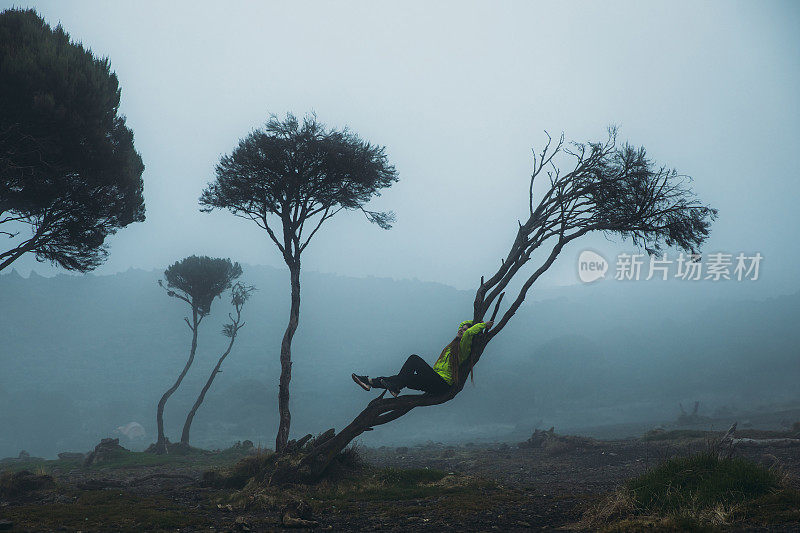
{"type": "Point", "coordinates": [362, 381]}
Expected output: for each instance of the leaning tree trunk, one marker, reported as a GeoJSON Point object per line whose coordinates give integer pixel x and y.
{"type": "Point", "coordinates": [286, 359]}
{"type": "Point", "coordinates": [161, 443]}
{"type": "Point", "coordinates": [383, 410]}
{"type": "Point", "coordinates": [190, 417]}
{"type": "Point", "coordinates": [379, 411]}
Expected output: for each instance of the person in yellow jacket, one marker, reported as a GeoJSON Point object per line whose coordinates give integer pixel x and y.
{"type": "Point", "coordinates": [418, 375]}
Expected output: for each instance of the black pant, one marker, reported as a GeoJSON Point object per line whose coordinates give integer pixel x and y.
{"type": "Point", "coordinates": [418, 375]}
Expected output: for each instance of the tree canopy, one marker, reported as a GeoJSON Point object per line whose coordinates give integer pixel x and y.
{"type": "Point", "coordinates": [68, 166]}
{"type": "Point", "coordinates": [201, 279]}
{"type": "Point", "coordinates": [302, 172]}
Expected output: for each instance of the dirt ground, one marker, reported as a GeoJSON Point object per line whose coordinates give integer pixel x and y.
{"type": "Point", "coordinates": [496, 487]}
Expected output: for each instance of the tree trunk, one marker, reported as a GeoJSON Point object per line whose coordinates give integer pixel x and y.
{"type": "Point", "coordinates": [161, 443]}
{"type": "Point", "coordinates": [286, 358]}
{"type": "Point", "coordinates": [190, 417]}
{"type": "Point", "coordinates": [379, 411]}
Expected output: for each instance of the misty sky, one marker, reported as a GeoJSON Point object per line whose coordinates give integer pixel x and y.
{"type": "Point", "coordinates": [459, 93]}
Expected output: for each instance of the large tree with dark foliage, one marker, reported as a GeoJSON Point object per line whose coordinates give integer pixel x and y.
{"type": "Point", "coordinates": [289, 177]}
{"type": "Point", "coordinates": [68, 168]}
{"type": "Point", "coordinates": [196, 281]}
{"type": "Point", "coordinates": [607, 188]}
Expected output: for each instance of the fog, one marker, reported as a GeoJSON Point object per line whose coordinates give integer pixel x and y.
{"type": "Point", "coordinates": [84, 355]}
{"type": "Point", "coordinates": [458, 93]}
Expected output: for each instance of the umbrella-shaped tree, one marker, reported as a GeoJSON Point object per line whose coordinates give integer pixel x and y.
{"type": "Point", "coordinates": [289, 177]}
{"type": "Point", "coordinates": [196, 281]}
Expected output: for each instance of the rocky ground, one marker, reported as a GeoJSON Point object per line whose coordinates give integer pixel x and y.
{"type": "Point", "coordinates": [545, 484]}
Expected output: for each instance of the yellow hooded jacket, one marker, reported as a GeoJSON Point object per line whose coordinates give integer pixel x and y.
{"type": "Point", "coordinates": [442, 365]}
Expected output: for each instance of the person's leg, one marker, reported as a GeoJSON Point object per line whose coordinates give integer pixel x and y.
{"type": "Point", "coordinates": [399, 380]}
{"type": "Point", "coordinates": [426, 379]}
{"type": "Point", "coordinates": [415, 374]}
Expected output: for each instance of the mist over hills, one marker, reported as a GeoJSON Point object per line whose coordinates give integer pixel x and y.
{"type": "Point", "coordinates": [82, 355]}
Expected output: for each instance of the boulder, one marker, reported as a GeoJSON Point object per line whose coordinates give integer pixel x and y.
{"type": "Point", "coordinates": [554, 444]}
{"type": "Point", "coordinates": [107, 450]}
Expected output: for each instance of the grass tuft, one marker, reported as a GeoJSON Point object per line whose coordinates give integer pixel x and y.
{"type": "Point", "coordinates": [237, 476]}
{"type": "Point", "coordinates": [701, 481]}
{"type": "Point", "coordinates": [348, 463]}
{"type": "Point", "coordinates": [699, 492]}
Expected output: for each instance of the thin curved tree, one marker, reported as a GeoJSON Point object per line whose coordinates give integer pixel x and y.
{"type": "Point", "coordinates": [69, 172]}
{"type": "Point", "coordinates": [607, 188]}
{"type": "Point", "coordinates": [196, 281]}
{"type": "Point", "coordinates": [289, 177]}
{"type": "Point", "coordinates": [240, 293]}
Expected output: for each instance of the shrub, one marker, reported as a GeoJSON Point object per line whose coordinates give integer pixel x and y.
{"type": "Point", "coordinates": [700, 481]}
{"type": "Point", "coordinates": [698, 491]}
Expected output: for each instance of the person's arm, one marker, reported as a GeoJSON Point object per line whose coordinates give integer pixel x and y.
{"type": "Point", "coordinates": [465, 346]}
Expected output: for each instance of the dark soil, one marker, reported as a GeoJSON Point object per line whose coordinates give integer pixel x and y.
{"type": "Point", "coordinates": [434, 487]}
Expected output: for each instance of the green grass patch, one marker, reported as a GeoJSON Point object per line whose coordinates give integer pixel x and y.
{"type": "Point", "coordinates": [98, 510]}
{"type": "Point", "coordinates": [35, 465]}
{"type": "Point", "coordinates": [132, 460]}
{"type": "Point", "coordinates": [698, 492]}
{"type": "Point", "coordinates": [700, 481]}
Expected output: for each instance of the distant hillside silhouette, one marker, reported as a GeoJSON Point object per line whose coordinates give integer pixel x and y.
{"type": "Point", "coordinates": [77, 354]}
